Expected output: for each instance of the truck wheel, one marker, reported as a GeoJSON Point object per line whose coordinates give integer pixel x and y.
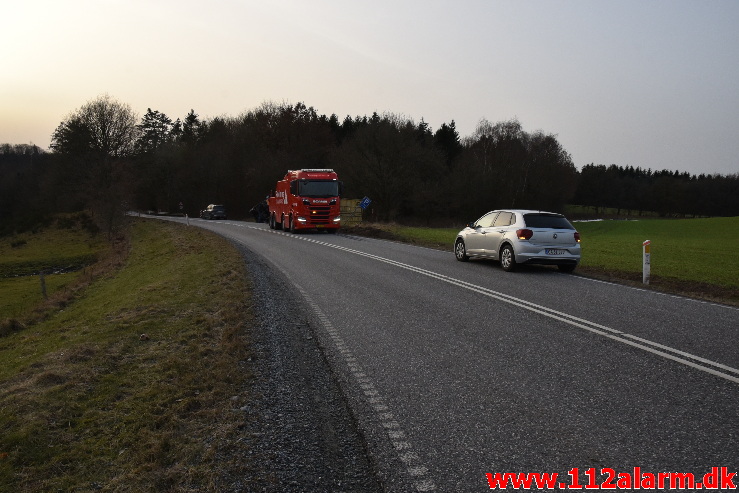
{"type": "Point", "coordinates": [285, 226]}
{"type": "Point", "coordinates": [292, 225]}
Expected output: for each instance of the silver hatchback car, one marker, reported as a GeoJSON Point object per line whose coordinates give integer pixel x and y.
{"type": "Point", "coordinates": [516, 236]}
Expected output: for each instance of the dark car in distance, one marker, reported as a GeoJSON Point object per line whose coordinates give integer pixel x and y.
{"type": "Point", "coordinates": [213, 212]}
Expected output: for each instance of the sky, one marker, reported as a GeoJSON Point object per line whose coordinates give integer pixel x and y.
{"type": "Point", "coordinates": [651, 84]}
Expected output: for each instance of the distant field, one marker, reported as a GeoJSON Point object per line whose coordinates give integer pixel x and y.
{"type": "Point", "coordinates": [21, 293]}
{"type": "Point", "coordinates": [690, 250]}
{"type": "Point", "coordinates": [23, 256]}
{"type": "Point", "coordinates": [576, 211]}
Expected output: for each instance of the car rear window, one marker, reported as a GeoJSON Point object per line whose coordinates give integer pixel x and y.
{"type": "Point", "coordinates": [554, 221]}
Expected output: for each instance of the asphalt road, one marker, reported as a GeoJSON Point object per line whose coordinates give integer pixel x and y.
{"type": "Point", "coordinates": [456, 370]}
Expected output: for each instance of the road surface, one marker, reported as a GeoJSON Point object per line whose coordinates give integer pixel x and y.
{"type": "Point", "coordinates": [458, 371]}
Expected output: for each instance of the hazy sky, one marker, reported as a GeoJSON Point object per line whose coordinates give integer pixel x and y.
{"type": "Point", "coordinates": [628, 82]}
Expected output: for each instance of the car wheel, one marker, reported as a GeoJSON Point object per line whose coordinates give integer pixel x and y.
{"type": "Point", "coordinates": [566, 267]}
{"type": "Point", "coordinates": [507, 259]}
{"type": "Point", "coordinates": [460, 251]}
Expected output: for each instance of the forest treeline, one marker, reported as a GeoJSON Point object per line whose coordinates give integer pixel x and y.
{"type": "Point", "coordinates": [106, 160]}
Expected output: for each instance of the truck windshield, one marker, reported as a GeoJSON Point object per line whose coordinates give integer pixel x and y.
{"type": "Point", "coordinates": [318, 188]}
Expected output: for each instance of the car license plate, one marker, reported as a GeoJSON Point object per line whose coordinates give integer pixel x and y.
{"type": "Point", "coordinates": [554, 251]}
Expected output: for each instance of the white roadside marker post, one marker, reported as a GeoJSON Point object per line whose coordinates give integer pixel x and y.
{"type": "Point", "coordinates": [646, 262]}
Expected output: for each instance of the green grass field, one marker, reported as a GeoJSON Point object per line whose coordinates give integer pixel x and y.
{"type": "Point", "coordinates": [699, 250]}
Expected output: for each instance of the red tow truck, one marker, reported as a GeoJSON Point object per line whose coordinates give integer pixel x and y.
{"type": "Point", "coordinates": [306, 199]}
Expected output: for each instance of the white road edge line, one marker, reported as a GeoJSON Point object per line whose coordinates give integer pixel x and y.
{"type": "Point", "coordinates": [416, 470]}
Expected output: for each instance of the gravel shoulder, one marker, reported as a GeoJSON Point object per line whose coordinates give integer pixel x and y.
{"type": "Point", "coordinates": [299, 434]}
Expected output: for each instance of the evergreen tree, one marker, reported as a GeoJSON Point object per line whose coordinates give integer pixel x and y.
{"type": "Point", "coordinates": [447, 139]}
{"type": "Point", "coordinates": [154, 131]}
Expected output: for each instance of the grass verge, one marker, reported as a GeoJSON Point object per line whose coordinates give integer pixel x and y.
{"type": "Point", "coordinates": [133, 386]}
{"type": "Point", "coordinates": [691, 257]}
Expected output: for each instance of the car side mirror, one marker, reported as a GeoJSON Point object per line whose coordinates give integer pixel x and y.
{"type": "Point", "coordinates": [471, 224]}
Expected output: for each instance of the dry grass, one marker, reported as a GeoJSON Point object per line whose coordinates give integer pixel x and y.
{"type": "Point", "coordinates": [131, 379]}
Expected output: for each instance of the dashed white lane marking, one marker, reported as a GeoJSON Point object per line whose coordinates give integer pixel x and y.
{"type": "Point", "coordinates": [416, 470]}
{"type": "Point", "coordinates": [718, 369]}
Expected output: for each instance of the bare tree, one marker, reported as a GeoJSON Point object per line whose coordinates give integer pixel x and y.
{"type": "Point", "coordinates": [103, 126]}
{"type": "Point", "coordinates": [95, 141]}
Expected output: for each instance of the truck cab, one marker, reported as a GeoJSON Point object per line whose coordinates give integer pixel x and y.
{"type": "Point", "coordinates": [306, 199]}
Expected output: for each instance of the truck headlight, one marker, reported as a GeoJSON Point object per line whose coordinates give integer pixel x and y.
{"type": "Point", "coordinates": [337, 219]}
{"type": "Point", "coordinates": [301, 219]}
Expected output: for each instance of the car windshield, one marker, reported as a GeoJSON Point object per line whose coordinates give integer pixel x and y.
{"type": "Point", "coordinates": [318, 188]}
{"type": "Point", "coordinates": [218, 208]}
{"type": "Point", "coordinates": [553, 221]}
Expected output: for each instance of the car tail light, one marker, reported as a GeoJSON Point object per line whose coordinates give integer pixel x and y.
{"type": "Point", "coordinates": [524, 234]}
{"type": "Point", "coordinates": [577, 237]}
